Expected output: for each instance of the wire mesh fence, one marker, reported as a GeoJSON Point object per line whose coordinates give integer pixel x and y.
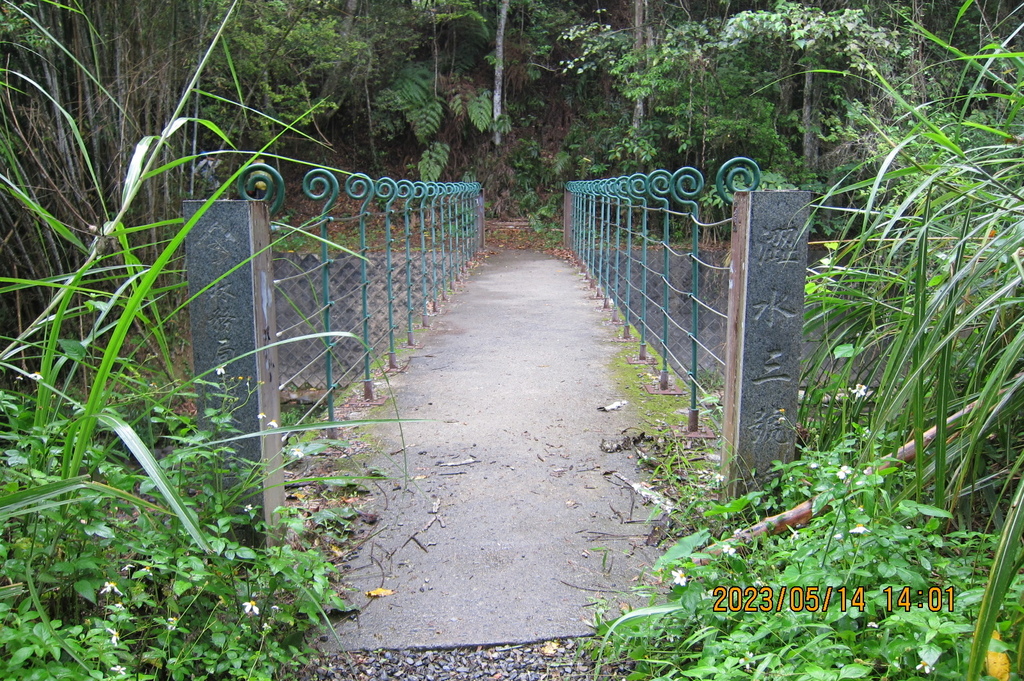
{"type": "Point", "coordinates": [341, 311]}
{"type": "Point", "coordinates": [638, 239]}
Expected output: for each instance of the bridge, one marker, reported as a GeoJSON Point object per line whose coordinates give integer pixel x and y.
{"type": "Point", "coordinates": [503, 519]}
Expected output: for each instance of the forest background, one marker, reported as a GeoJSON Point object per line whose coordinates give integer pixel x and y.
{"type": "Point", "coordinates": [520, 95]}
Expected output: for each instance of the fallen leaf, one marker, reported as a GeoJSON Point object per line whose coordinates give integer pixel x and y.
{"type": "Point", "coordinates": [549, 649]}
{"type": "Point", "coordinates": [378, 593]}
{"type": "Point", "coordinates": [997, 665]}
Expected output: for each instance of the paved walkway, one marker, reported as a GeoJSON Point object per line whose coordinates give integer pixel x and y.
{"type": "Point", "coordinates": [517, 545]}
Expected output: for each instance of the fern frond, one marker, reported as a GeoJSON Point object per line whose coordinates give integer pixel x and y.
{"type": "Point", "coordinates": [413, 94]}
{"type": "Point", "coordinates": [480, 109]}
{"type": "Point", "coordinates": [434, 160]}
{"type": "Point", "coordinates": [457, 104]}
{"type": "Point", "coordinates": [426, 119]}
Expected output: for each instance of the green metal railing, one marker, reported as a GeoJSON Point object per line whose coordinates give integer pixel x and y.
{"type": "Point", "coordinates": [619, 223]}
{"type": "Point", "coordinates": [439, 219]}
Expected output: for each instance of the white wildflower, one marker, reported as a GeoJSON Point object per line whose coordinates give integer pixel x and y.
{"type": "Point", "coordinates": [172, 623]}
{"type": "Point", "coordinates": [729, 550]}
{"type": "Point", "coordinates": [251, 608]}
{"type": "Point", "coordinates": [860, 392]}
{"type": "Point", "coordinates": [872, 625]}
{"type": "Point", "coordinates": [679, 577]}
{"type": "Point", "coordinates": [297, 452]}
{"type": "Point", "coordinates": [110, 587]}
{"type": "Point", "coordinates": [261, 415]}
{"type": "Point", "coordinates": [271, 423]}
{"type": "Point", "coordinates": [119, 670]}
{"type": "Point", "coordinates": [36, 376]}
{"type": "Point", "coordinates": [248, 508]}
{"type": "Point", "coordinates": [925, 667]}
{"type": "Point", "coordinates": [844, 472]}
{"type": "Point", "coordinates": [220, 371]}
{"type": "Point", "coordinates": [114, 636]}
{"type": "Point", "coordinates": [860, 529]}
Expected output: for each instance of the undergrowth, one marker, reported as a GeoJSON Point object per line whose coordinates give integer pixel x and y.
{"type": "Point", "coordinates": [871, 588]}
{"type": "Point", "coordinates": [108, 588]}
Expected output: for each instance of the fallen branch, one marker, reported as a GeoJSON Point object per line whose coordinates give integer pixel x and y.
{"type": "Point", "coordinates": [647, 494]}
{"type": "Point", "coordinates": [461, 463]}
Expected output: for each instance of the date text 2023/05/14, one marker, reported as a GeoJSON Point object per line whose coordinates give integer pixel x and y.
{"type": "Point", "coordinates": [821, 598]}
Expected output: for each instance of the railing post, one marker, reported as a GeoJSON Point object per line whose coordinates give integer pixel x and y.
{"type": "Point", "coordinates": [407, 191]}
{"type": "Point", "coordinates": [420, 191]}
{"type": "Point", "coordinates": [358, 187]}
{"type": "Point", "coordinates": [637, 187]}
{"type": "Point", "coordinates": [233, 322]}
{"type": "Point", "coordinates": [659, 187]}
{"type": "Point", "coordinates": [764, 334]}
{"type": "Point", "coordinates": [627, 310]}
{"type": "Point", "coordinates": [567, 215]}
{"type": "Point", "coordinates": [685, 188]}
{"type": "Point", "coordinates": [481, 224]}
{"type": "Point", "coordinates": [387, 189]}
{"type": "Point", "coordinates": [613, 191]}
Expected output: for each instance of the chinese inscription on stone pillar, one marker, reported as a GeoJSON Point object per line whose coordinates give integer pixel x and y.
{"type": "Point", "coordinates": [764, 334]}
{"type": "Point", "coordinates": [228, 266]}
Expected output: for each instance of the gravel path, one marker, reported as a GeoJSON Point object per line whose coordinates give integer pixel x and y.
{"type": "Point", "coordinates": [559, 660]}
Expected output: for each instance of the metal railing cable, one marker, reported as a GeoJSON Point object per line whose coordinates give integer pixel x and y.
{"type": "Point", "coordinates": [376, 290]}
{"type": "Point", "coordinates": [626, 235]}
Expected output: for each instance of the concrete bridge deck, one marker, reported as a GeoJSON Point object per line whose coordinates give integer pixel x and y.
{"type": "Point", "coordinates": [503, 522]}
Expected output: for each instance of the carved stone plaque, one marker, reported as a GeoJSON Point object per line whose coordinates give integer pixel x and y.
{"type": "Point", "coordinates": [228, 267]}
{"type": "Point", "coordinates": [764, 334]}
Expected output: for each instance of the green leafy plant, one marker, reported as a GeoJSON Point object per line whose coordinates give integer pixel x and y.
{"type": "Point", "coordinates": [845, 597]}
{"type": "Point", "coordinates": [916, 311]}
{"type": "Point", "coordinates": [115, 584]}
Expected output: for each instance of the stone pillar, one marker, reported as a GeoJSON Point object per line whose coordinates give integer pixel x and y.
{"type": "Point", "coordinates": [233, 321]}
{"type": "Point", "coordinates": [567, 199]}
{"type": "Point", "coordinates": [764, 334]}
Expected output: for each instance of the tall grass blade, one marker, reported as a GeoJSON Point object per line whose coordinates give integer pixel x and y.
{"type": "Point", "coordinates": [146, 459]}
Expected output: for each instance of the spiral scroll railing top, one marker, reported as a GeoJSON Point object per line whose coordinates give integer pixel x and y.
{"type": "Point", "coordinates": [263, 182]}
{"type": "Point", "coordinates": [661, 188]}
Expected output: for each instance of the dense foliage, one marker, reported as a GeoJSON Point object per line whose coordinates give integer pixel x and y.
{"type": "Point", "coordinates": [113, 112]}
{"type": "Point", "coordinates": [912, 424]}
{"type": "Point", "coordinates": [400, 88]}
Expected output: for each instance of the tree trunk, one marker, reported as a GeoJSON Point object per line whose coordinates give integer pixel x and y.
{"type": "Point", "coordinates": [638, 46]}
{"type": "Point", "coordinates": [810, 122]}
{"type": "Point", "coordinates": [333, 80]}
{"type": "Point", "coordinates": [499, 66]}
